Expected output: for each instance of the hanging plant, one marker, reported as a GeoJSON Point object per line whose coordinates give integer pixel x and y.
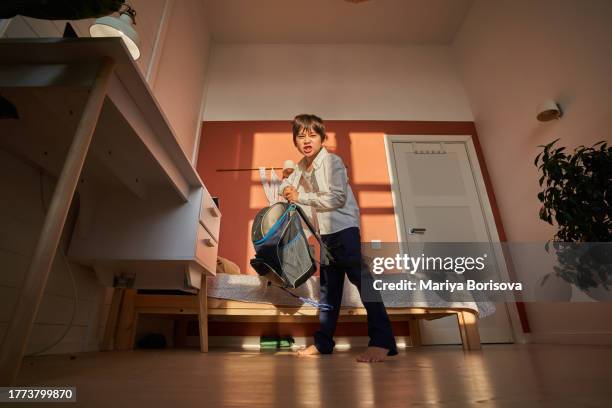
{"type": "Point", "coordinates": [576, 195]}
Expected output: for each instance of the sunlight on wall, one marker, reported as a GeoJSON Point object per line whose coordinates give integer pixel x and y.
{"type": "Point", "coordinates": [369, 177]}
{"type": "Point", "coordinates": [375, 199]}
{"type": "Point", "coordinates": [364, 155]}
{"type": "Point", "coordinates": [257, 197]}
{"type": "Point", "coordinates": [249, 145]}
{"type": "Point", "coordinates": [247, 270]}
{"type": "Point", "coordinates": [368, 153]}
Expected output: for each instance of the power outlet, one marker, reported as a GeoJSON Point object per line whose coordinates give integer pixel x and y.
{"type": "Point", "coordinates": [376, 244]}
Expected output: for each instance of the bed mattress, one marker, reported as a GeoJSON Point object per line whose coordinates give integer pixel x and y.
{"type": "Point", "coordinates": [253, 288]}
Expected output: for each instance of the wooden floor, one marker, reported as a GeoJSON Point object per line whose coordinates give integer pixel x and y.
{"type": "Point", "coordinates": [499, 375]}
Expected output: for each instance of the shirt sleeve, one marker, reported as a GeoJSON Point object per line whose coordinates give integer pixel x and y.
{"type": "Point", "coordinates": [337, 180]}
{"type": "Point", "coordinates": [289, 181]}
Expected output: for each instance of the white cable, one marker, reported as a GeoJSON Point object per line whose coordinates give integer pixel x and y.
{"type": "Point", "coordinates": [74, 286]}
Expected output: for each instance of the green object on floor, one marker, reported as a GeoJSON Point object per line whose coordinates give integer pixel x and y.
{"type": "Point", "coordinates": [268, 342]}
{"type": "Point", "coordinates": [275, 342]}
{"type": "Point", "coordinates": [286, 342]}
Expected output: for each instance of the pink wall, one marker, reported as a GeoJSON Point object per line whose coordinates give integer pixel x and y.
{"type": "Point", "coordinates": [513, 55]}
{"type": "Point", "coordinates": [178, 83]}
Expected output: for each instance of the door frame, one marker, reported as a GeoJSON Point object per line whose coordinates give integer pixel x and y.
{"type": "Point", "coordinates": [483, 196]}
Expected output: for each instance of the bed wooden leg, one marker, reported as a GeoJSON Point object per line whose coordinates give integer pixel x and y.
{"type": "Point", "coordinates": [124, 339]}
{"type": "Point", "coordinates": [468, 328]}
{"type": "Point", "coordinates": [415, 332]}
{"type": "Point", "coordinates": [203, 314]}
{"type": "Point", "coordinates": [111, 321]}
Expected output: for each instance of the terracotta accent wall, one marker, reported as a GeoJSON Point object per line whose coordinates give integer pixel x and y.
{"type": "Point", "coordinates": [250, 144]}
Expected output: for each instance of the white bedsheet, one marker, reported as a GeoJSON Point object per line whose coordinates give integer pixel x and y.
{"type": "Point", "coordinates": [253, 288]}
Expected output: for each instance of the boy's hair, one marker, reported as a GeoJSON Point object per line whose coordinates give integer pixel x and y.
{"type": "Point", "coordinates": [308, 122]}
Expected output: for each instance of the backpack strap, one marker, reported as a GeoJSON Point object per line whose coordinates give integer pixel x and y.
{"type": "Point", "coordinates": [324, 249]}
{"type": "Point", "coordinates": [321, 306]}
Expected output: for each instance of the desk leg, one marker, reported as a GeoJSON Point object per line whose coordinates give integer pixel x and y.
{"type": "Point", "coordinates": [126, 328]}
{"type": "Point", "coordinates": [203, 314]}
{"type": "Point", "coordinates": [108, 342]}
{"type": "Point", "coordinates": [20, 326]}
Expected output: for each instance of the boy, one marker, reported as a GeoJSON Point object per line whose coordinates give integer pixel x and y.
{"type": "Point", "coordinates": [320, 181]}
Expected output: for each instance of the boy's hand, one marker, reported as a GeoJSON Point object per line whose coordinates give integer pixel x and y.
{"type": "Point", "coordinates": [287, 173]}
{"type": "Point", "coordinates": [290, 194]}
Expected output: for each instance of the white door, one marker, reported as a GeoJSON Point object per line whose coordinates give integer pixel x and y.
{"type": "Point", "coordinates": [438, 193]}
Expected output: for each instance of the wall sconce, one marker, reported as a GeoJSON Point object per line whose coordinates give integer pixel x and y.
{"type": "Point", "coordinates": [122, 26]}
{"type": "Point", "coordinates": [548, 111]}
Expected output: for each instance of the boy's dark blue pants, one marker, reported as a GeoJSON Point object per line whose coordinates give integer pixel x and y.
{"type": "Point", "coordinates": [345, 247]}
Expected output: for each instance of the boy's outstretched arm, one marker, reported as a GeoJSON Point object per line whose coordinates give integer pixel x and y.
{"type": "Point", "coordinates": [337, 180]}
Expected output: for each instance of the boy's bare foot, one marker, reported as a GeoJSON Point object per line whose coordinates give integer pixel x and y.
{"type": "Point", "coordinates": [308, 351]}
{"type": "Point", "coordinates": [373, 355]}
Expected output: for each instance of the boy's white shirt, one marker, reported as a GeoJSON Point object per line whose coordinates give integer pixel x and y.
{"type": "Point", "coordinates": [334, 203]}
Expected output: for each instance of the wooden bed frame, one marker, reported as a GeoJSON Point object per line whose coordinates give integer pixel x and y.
{"type": "Point", "coordinates": [127, 305]}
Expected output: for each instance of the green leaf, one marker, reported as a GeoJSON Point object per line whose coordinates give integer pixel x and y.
{"type": "Point", "coordinates": [535, 162]}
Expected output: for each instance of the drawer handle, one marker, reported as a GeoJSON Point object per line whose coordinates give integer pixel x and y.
{"type": "Point", "coordinates": [213, 211]}
{"type": "Point", "coordinates": [208, 242]}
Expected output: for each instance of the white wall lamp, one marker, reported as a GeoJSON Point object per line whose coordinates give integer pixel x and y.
{"type": "Point", "coordinates": [548, 111]}
{"type": "Point", "coordinates": [122, 26]}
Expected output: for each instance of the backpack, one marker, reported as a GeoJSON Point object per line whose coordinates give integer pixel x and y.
{"type": "Point", "coordinates": [282, 252]}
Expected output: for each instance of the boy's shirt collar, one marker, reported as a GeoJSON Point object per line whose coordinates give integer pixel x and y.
{"type": "Point", "coordinates": [317, 161]}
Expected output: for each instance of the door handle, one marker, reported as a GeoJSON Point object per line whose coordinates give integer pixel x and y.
{"type": "Point", "coordinates": [413, 231]}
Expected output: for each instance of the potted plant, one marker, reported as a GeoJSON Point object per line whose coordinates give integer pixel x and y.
{"type": "Point", "coordinates": [576, 195]}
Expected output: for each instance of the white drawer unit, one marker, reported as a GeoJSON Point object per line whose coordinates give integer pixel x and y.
{"type": "Point", "coordinates": [149, 244]}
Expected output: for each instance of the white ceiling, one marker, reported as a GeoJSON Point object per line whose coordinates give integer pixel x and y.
{"type": "Point", "coordinates": [336, 21]}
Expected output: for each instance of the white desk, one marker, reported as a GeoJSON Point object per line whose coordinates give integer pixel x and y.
{"type": "Point", "coordinates": [88, 117]}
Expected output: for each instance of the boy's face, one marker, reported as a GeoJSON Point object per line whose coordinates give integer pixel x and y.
{"type": "Point", "coordinates": [308, 142]}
